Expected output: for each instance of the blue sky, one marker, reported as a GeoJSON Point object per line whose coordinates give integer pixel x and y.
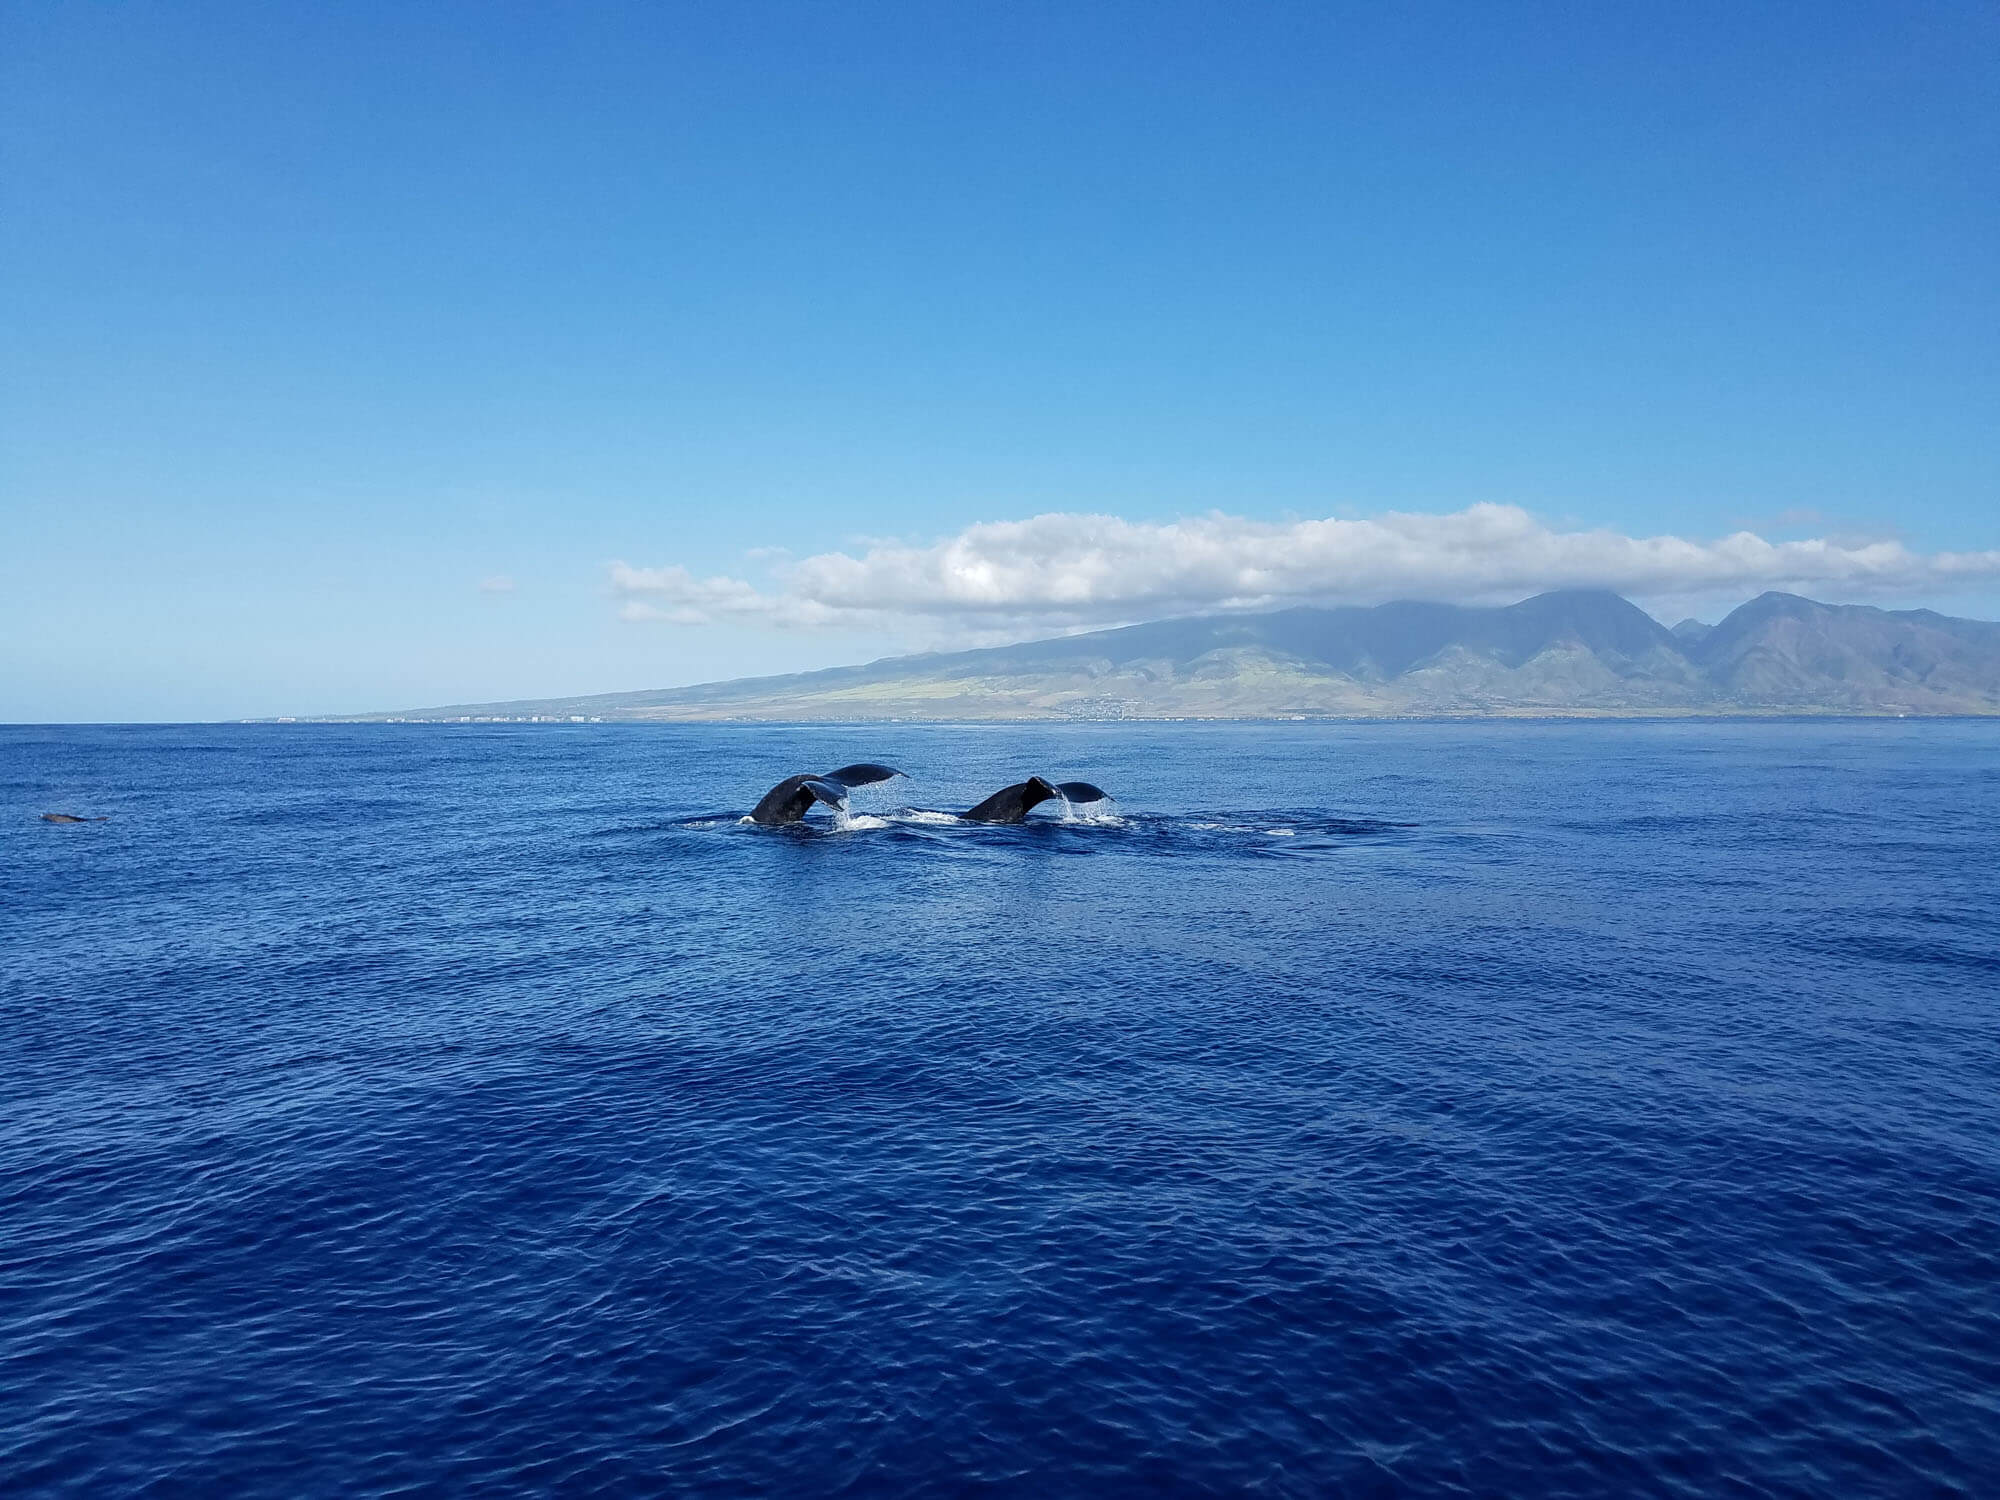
{"type": "Point", "coordinates": [345, 351]}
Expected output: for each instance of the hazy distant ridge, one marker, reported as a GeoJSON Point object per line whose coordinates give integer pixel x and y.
{"type": "Point", "coordinates": [1571, 652]}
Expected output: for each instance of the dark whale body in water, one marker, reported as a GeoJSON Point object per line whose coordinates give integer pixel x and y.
{"type": "Point", "coordinates": [1011, 803]}
{"type": "Point", "coordinates": [792, 798]}
{"type": "Point", "coordinates": [70, 818]}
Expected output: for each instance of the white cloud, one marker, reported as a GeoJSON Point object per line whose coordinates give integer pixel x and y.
{"type": "Point", "coordinates": [1066, 570]}
{"type": "Point", "coordinates": [499, 583]}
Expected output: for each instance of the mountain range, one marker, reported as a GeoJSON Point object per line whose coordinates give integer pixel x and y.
{"type": "Point", "coordinates": [1582, 652]}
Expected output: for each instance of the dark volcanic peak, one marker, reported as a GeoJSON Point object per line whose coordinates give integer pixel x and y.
{"type": "Point", "coordinates": [1580, 651]}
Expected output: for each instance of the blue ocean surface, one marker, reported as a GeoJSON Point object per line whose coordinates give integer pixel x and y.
{"type": "Point", "coordinates": [1539, 1109]}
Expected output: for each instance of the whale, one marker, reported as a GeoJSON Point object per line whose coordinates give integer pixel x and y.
{"type": "Point", "coordinates": [791, 799]}
{"type": "Point", "coordinates": [70, 818]}
{"type": "Point", "coordinates": [1011, 803]}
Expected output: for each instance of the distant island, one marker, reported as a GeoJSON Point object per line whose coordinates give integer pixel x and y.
{"type": "Point", "coordinates": [1574, 652]}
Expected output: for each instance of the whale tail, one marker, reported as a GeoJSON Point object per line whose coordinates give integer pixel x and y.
{"type": "Point", "coordinates": [1011, 803]}
{"type": "Point", "coordinates": [792, 798]}
{"type": "Point", "coordinates": [863, 773]}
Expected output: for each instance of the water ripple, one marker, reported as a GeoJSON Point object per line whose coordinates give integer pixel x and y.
{"type": "Point", "coordinates": [1350, 1109]}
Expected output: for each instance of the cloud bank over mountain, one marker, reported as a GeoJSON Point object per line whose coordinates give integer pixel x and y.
{"type": "Point", "coordinates": [1065, 570]}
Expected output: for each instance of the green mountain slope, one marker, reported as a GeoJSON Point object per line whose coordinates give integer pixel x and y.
{"type": "Point", "coordinates": [1570, 652]}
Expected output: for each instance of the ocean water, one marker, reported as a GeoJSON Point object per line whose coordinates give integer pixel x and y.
{"type": "Point", "coordinates": [1540, 1109]}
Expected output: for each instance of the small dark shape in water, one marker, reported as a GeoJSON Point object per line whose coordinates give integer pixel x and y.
{"type": "Point", "coordinates": [1011, 803]}
{"type": "Point", "coordinates": [70, 818]}
{"type": "Point", "coordinates": [792, 798]}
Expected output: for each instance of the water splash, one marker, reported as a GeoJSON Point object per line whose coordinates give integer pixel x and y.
{"type": "Point", "coordinates": [854, 822]}
{"type": "Point", "coordinates": [1101, 812]}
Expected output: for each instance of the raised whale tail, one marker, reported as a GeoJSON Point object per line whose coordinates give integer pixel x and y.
{"type": "Point", "coordinates": [791, 798]}
{"type": "Point", "coordinates": [862, 773]}
{"type": "Point", "coordinates": [1011, 803]}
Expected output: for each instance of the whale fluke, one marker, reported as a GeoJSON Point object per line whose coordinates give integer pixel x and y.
{"type": "Point", "coordinates": [792, 798]}
{"type": "Point", "coordinates": [1011, 803]}
{"type": "Point", "coordinates": [70, 818]}
{"type": "Point", "coordinates": [863, 773]}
